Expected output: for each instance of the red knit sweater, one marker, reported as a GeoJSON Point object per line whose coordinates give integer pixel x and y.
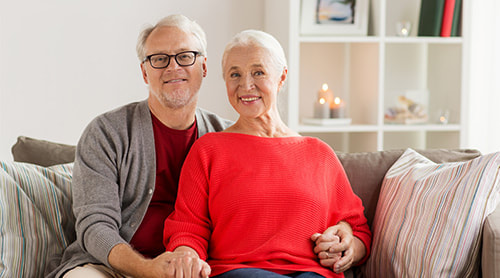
{"type": "Point", "coordinates": [248, 201]}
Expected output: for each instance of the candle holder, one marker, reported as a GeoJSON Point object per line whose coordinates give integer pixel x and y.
{"type": "Point", "coordinates": [444, 116]}
{"type": "Point", "coordinates": [403, 28]}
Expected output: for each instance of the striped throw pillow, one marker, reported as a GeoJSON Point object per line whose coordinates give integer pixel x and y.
{"type": "Point", "coordinates": [429, 217]}
{"type": "Point", "coordinates": [36, 221]}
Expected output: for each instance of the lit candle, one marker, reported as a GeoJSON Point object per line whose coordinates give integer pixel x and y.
{"type": "Point", "coordinates": [325, 93]}
{"type": "Point", "coordinates": [321, 109]}
{"type": "Point", "coordinates": [323, 102]}
{"type": "Point", "coordinates": [337, 108]}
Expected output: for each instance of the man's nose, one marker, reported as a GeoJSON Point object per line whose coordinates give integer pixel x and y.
{"type": "Point", "coordinates": [172, 65]}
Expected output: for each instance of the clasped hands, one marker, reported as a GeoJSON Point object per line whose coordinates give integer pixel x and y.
{"type": "Point", "coordinates": [333, 247]}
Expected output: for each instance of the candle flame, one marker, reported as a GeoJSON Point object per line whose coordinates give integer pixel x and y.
{"type": "Point", "coordinates": [322, 100]}
{"type": "Point", "coordinates": [337, 100]}
{"type": "Point", "coordinates": [325, 87]}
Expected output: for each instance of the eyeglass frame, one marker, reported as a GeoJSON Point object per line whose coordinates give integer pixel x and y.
{"type": "Point", "coordinates": [196, 53]}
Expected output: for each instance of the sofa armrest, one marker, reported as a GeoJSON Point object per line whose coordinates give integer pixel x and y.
{"type": "Point", "coordinates": [491, 245]}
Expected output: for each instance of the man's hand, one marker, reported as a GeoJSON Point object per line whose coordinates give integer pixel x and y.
{"type": "Point", "coordinates": [181, 263]}
{"type": "Point", "coordinates": [338, 248]}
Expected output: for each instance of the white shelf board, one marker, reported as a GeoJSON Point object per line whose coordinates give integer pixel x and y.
{"type": "Point", "coordinates": [421, 127]}
{"type": "Point", "coordinates": [431, 40]}
{"type": "Point", "coordinates": [338, 128]}
{"type": "Point", "coordinates": [339, 39]}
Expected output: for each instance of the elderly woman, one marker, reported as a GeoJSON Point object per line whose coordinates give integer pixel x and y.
{"type": "Point", "coordinates": [252, 199]}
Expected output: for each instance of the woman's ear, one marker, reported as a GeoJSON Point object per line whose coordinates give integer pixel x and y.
{"type": "Point", "coordinates": [282, 78]}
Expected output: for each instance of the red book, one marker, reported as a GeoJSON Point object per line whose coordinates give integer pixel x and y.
{"type": "Point", "coordinates": [449, 9]}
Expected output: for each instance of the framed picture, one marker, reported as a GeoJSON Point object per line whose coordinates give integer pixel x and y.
{"type": "Point", "coordinates": [334, 17]}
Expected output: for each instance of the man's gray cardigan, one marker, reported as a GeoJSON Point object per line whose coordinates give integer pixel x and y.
{"type": "Point", "coordinates": [113, 181]}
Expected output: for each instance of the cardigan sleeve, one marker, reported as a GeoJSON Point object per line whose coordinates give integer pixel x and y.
{"type": "Point", "coordinates": [190, 224]}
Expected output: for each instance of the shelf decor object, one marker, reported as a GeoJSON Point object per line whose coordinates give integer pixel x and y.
{"type": "Point", "coordinates": [337, 108]}
{"type": "Point", "coordinates": [334, 17]}
{"type": "Point", "coordinates": [403, 28]}
{"type": "Point", "coordinates": [322, 104]}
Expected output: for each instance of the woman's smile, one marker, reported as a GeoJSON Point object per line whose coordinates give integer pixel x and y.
{"type": "Point", "coordinates": [249, 99]}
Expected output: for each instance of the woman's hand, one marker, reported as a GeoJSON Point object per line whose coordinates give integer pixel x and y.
{"type": "Point", "coordinates": [186, 263]}
{"type": "Point", "coordinates": [338, 248]}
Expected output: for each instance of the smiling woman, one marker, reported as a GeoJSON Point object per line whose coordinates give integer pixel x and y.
{"type": "Point", "coordinates": [281, 239]}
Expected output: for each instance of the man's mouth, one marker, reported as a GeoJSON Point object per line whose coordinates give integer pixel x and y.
{"type": "Point", "coordinates": [176, 80]}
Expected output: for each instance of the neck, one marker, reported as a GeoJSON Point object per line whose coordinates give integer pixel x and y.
{"type": "Point", "coordinates": [269, 125]}
{"type": "Point", "coordinates": [176, 118]}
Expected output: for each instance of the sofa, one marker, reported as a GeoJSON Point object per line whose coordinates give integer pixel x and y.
{"type": "Point", "coordinates": [24, 255]}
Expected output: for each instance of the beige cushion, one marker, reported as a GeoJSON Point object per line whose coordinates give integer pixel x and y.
{"type": "Point", "coordinates": [41, 152]}
{"type": "Point", "coordinates": [36, 221]}
{"type": "Point", "coordinates": [367, 170]}
{"type": "Point", "coordinates": [430, 216]}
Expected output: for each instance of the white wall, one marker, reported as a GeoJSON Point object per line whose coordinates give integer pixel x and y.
{"type": "Point", "coordinates": [483, 119]}
{"type": "Point", "coordinates": [64, 62]}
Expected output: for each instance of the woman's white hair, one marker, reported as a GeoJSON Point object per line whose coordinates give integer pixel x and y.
{"type": "Point", "coordinates": [259, 39]}
{"type": "Point", "coordinates": [180, 21]}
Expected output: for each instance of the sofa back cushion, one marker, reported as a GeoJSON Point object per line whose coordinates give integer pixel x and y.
{"type": "Point", "coordinates": [42, 152]}
{"type": "Point", "coordinates": [366, 170]}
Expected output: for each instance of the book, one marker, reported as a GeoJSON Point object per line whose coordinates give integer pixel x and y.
{"type": "Point", "coordinates": [431, 16]}
{"type": "Point", "coordinates": [448, 13]}
{"type": "Point", "coordinates": [457, 18]}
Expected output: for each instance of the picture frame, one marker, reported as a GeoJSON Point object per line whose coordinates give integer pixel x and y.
{"type": "Point", "coordinates": [334, 17]}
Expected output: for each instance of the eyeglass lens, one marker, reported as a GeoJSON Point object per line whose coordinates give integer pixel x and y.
{"type": "Point", "coordinates": [186, 58]}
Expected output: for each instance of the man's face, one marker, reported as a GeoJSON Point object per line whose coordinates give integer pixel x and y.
{"type": "Point", "coordinates": [174, 86]}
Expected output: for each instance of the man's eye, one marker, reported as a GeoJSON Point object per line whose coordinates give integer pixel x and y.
{"type": "Point", "coordinates": [159, 59]}
{"type": "Point", "coordinates": [185, 57]}
{"type": "Point", "coordinates": [234, 75]}
{"type": "Point", "coordinates": [259, 73]}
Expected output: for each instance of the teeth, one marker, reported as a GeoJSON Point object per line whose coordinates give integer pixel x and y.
{"type": "Point", "coordinates": [250, 98]}
{"type": "Point", "coordinates": [174, 80]}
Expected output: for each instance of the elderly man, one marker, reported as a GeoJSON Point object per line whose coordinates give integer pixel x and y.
{"type": "Point", "coordinates": [120, 202]}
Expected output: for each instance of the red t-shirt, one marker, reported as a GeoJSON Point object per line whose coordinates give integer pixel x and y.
{"type": "Point", "coordinates": [171, 147]}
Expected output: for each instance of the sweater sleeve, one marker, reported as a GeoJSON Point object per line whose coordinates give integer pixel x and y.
{"type": "Point", "coordinates": [190, 224]}
{"type": "Point", "coordinates": [351, 207]}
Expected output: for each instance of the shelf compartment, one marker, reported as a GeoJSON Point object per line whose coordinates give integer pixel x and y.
{"type": "Point", "coordinates": [351, 72]}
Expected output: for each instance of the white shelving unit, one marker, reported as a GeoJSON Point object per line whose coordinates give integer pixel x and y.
{"type": "Point", "coordinates": [368, 73]}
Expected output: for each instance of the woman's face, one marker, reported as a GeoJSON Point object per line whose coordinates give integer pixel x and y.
{"type": "Point", "coordinates": [252, 81]}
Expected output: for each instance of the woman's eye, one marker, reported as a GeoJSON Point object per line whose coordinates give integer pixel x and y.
{"type": "Point", "coordinates": [234, 75]}
{"type": "Point", "coordinates": [259, 73]}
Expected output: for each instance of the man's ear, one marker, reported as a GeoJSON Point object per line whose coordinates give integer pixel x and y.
{"type": "Point", "coordinates": [204, 67]}
{"type": "Point", "coordinates": [144, 74]}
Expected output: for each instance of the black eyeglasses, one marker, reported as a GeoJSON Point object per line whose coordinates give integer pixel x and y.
{"type": "Point", "coordinates": [183, 59]}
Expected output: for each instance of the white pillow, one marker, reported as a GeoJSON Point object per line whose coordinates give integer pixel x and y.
{"type": "Point", "coordinates": [36, 221]}
{"type": "Point", "coordinates": [429, 217]}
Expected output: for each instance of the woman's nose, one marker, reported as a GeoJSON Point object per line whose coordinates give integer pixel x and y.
{"type": "Point", "coordinates": [247, 83]}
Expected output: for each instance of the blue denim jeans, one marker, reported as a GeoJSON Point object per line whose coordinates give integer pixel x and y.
{"type": "Point", "coordinates": [261, 273]}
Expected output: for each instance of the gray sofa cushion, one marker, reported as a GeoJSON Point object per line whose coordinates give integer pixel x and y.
{"type": "Point", "coordinates": [41, 152]}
